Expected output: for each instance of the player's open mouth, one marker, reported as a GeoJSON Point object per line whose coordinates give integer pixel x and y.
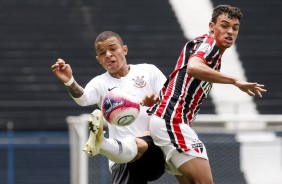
{"type": "Point", "coordinates": [110, 63]}
{"type": "Point", "coordinates": [228, 39]}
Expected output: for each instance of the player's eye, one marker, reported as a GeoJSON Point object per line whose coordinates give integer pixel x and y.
{"type": "Point", "coordinates": [101, 53]}
{"type": "Point", "coordinates": [224, 26]}
{"type": "Point", "coordinates": [236, 28]}
{"type": "Point", "coordinates": [113, 49]}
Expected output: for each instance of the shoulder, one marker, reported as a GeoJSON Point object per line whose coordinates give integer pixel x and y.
{"type": "Point", "coordinates": [206, 44]}
{"type": "Point", "coordinates": [144, 66]}
{"type": "Point", "coordinates": [99, 79]}
{"type": "Point", "coordinates": [208, 41]}
{"type": "Point", "coordinates": [205, 38]}
{"type": "Point", "coordinates": [201, 40]}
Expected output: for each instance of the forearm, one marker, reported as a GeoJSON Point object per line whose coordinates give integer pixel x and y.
{"type": "Point", "coordinates": [213, 76]}
{"type": "Point", "coordinates": [75, 90]}
{"type": "Point", "coordinates": [202, 72]}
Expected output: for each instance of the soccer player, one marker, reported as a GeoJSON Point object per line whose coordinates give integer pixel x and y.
{"type": "Point", "coordinates": [197, 68]}
{"type": "Point", "coordinates": [133, 157]}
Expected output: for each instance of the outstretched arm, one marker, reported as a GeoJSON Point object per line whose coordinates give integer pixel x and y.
{"type": "Point", "coordinates": [63, 72]}
{"type": "Point", "coordinates": [199, 70]}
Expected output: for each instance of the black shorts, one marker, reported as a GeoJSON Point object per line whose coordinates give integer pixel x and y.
{"type": "Point", "coordinates": [149, 167]}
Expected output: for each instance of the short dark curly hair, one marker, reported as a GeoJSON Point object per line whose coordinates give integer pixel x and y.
{"type": "Point", "coordinates": [232, 12]}
{"type": "Point", "coordinates": [106, 35]}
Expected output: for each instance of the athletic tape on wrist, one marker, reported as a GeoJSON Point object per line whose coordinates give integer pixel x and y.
{"type": "Point", "coordinates": [70, 81]}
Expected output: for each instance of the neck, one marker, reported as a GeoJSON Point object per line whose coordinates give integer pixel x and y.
{"type": "Point", "coordinates": [121, 73]}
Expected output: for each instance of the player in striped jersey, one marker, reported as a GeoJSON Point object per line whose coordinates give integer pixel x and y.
{"type": "Point", "coordinates": [196, 70]}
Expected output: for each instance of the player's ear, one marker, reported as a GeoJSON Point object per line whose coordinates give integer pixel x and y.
{"type": "Point", "coordinates": [211, 27]}
{"type": "Point", "coordinates": [98, 59]}
{"type": "Point", "coordinates": [125, 49]}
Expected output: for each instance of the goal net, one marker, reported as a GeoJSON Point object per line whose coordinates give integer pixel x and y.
{"type": "Point", "coordinates": [229, 149]}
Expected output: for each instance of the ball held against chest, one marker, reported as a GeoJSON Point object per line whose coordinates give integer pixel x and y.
{"type": "Point", "coordinates": [120, 108]}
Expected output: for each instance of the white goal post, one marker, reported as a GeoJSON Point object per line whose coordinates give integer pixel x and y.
{"type": "Point", "coordinates": [78, 134]}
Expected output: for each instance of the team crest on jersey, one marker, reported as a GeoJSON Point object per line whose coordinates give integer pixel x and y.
{"type": "Point", "coordinates": [198, 147]}
{"type": "Point", "coordinates": [205, 47]}
{"type": "Point", "coordinates": [139, 82]}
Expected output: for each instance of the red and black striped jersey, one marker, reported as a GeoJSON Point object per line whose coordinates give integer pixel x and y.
{"type": "Point", "coordinates": [182, 94]}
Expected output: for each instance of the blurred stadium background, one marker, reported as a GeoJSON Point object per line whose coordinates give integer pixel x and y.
{"type": "Point", "coordinates": [36, 146]}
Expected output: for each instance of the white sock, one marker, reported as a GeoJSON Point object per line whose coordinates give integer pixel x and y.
{"type": "Point", "coordinates": [119, 151]}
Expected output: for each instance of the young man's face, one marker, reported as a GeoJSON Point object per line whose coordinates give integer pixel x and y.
{"type": "Point", "coordinates": [111, 54]}
{"type": "Point", "coordinates": [225, 31]}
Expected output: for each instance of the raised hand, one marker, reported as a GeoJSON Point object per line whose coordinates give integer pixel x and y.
{"type": "Point", "coordinates": [62, 70]}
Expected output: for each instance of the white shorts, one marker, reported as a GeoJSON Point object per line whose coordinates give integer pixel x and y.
{"type": "Point", "coordinates": [179, 146]}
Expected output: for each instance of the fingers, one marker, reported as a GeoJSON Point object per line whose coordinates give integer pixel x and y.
{"type": "Point", "coordinates": [60, 61]}
{"type": "Point", "coordinates": [259, 94]}
{"type": "Point", "coordinates": [156, 98]}
{"type": "Point", "coordinates": [149, 100]}
{"type": "Point", "coordinates": [145, 100]}
{"type": "Point", "coordinates": [151, 95]}
{"type": "Point", "coordinates": [251, 88]}
{"type": "Point", "coordinates": [59, 65]}
{"type": "Point", "coordinates": [259, 88]}
{"type": "Point", "coordinates": [249, 92]}
{"type": "Point", "coordinates": [256, 89]}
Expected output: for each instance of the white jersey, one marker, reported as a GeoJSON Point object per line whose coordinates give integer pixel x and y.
{"type": "Point", "coordinates": [141, 80]}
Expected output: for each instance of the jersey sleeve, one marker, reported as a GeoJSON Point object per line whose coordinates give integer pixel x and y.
{"type": "Point", "coordinates": [91, 93]}
{"type": "Point", "coordinates": [207, 50]}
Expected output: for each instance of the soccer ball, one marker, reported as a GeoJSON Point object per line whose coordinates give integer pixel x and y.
{"type": "Point", "coordinates": [120, 108]}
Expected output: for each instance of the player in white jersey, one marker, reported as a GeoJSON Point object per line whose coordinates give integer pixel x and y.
{"type": "Point", "coordinates": [140, 80]}
{"type": "Point", "coordinates": [134, 157]}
